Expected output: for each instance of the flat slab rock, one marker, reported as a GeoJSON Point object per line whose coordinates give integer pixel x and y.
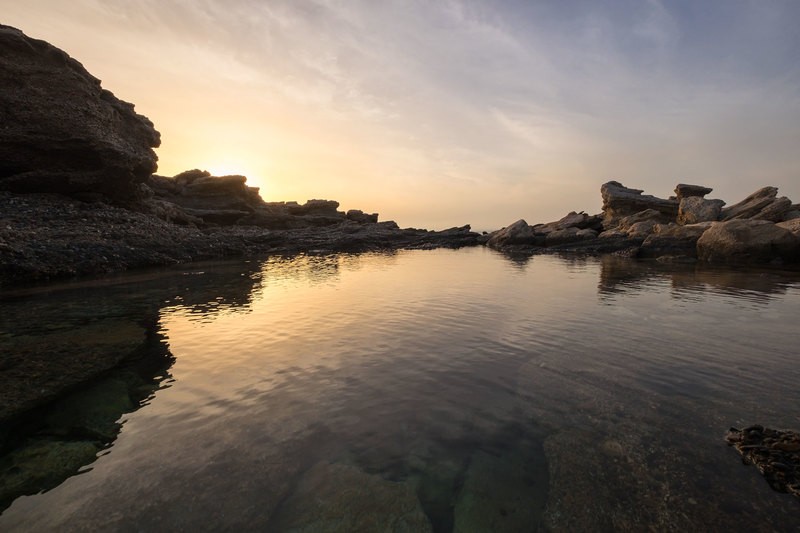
{"type": "Point", "coordinates": [776, 454]}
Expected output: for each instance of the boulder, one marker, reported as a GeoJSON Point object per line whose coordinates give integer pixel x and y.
{"type": "Point", "coordinates": [571, 220]}
{"type": "Point", "coordinates": [792, 213]}
{"type": "Point", "coordinates": [747, 241]}
{"type": "Point", "coordinates": [620, 201]}
{"type": "Point", "coordinates": [518, 233]}
{"type": "Point", "coordinates": [61, 131]}
{"type": "Point", "coordinates": [641, 230]}
{"type": "Point", "coordinates": [650, 216]}
{"type": "Point", "coordinates": [761, 205]}
{"type": "Point", "coordinates": [694, 209]}
{"type": "Point", "coordinates": [673, 240]}
{"type": "Point", "coordinates": [691, 191]}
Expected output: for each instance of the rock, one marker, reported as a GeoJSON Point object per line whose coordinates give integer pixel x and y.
{"type": "Point", "coordinates": [641, 230]}
{"type": "Point", "coordinates": [518, 233]}
{"type": "Point", "coordinates": [747, 241]}
{"type": "Point", "coordinates": [357, 215]}
{"type": "Point", "coordinates": [620, 201]}
{"type": "Point", "coordinates": [569, 235]}
{"type": "Point", "coordinates": [691, 191]}
{"type": "Point", "coordinates": [61, 131]}
{"type": "Point", "coordinates": [792, 225]}
{"type": "Point", "coordinates": [316, 208]}
{"type": "Point", "coordinates": [672, 240]}
{"type": "Point", "coordinates": [694, 209]}
{"type": "Point", "coordinates": [342, 498]}
{"type": "Point", "coordinates": [761, 205]}
{"type": "Point", "coordinates": [571, 220]}
{"type": "Point", "coordinates": [776, 454]}
{"type": "Point", "coordinates": [651, 216]}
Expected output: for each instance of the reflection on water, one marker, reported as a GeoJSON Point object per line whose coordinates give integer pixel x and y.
{"type": "Point", "coordinates": [427, 391]}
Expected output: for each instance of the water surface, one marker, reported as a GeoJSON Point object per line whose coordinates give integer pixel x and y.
{"type": "Point", "coordinates": [433, 390]}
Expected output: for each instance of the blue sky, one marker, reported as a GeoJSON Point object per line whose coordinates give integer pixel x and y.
{"type": "Point", "coordinates": [450, 112]}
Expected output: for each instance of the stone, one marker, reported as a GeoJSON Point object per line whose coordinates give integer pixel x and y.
{"type": "Point", "coordinates": [650, 216]}
{"type": "Point", "coordinates": [357, 215]}
{"type": "Point", "coordinates": [747, 241]}
{"type": "Point", "coordinates": [569, 235]}
{"type": "Point", "coordinates": [571, 220]}
{"type": "Point", "coordinates": [518, 233]}
{"type": "Point", "coordinates": [694, 209]}
{"type": "Point", "coordinates": [776, 454]}
{"type": "Point", "coordinates": [343, 498]}
{"type": "Point", "coordinates": [761, 205]}
{"type": "Point", "coordinates": [641, 230]}
{"type": "Point", "coordinates": [620, 201]}
{"type": "Point", "coordinates": [61, 131]}
{"type": "Point", "coordinates": [683, 190]}
{"type": "Point", "coordinates": [792, 225]}
{"type": "Point", "coordinates": [672, 240]}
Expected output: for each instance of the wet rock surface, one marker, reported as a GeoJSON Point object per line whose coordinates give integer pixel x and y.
{"type": "Point", "coordinates": [776, 454]}
{"type": "Point", "coordinates": [62, 132]}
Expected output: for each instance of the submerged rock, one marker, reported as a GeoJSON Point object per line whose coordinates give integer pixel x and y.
{"type": "Point", "coordinates": [342, 498]}
{"type": "Point", "coordinates": [61, 131]}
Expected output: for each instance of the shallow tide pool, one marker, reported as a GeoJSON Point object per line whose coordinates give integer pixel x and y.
{"type": "Point", "coordinates": [423, 391]}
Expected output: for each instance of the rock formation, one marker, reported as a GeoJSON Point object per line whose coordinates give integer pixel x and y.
{"type": "Point", "coordinates": [759, 229]}
{"type": "Point", "coordinates": [620, 201]}
{"type": "Point", "coordinates": [62, 132]}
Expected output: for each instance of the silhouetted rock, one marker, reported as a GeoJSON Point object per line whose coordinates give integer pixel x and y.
{"type": "Point", "coordinates": [620, 201]}
{"type": "Point", "coordinates": [683, 190]}
{"type": "Point", "coordinates": [569, 235]}
{"type": "Point", "coordinates": [694, 209]}
{"type": "Point", "coordinates": [761, 205]}
{"type": "Point", "coordinates": [747, 241]}
{"type": "Point", "coordinates": [61, 131]}
{"type": "Point", "coordinates": [357, 215]}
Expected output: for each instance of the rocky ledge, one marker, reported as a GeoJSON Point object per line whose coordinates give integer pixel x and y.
{"type": "Point", "coordinates": [762, 228]}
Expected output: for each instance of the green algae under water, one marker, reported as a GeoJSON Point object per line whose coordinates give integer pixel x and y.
{"type": "Point", "coordinates": [415, 391]}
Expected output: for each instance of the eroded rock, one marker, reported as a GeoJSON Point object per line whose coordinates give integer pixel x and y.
{"type": "Point", "coordinates": [620, 201]}
{"type": "Point", "coordinates": [761, 205]}
{"type": "Point", "coordinates": [61, 131]}
{"type": "Point", "coordinates": [518, 233]}
{"type": "Point", "coordinates": [683, 190]}
{"type": "Point", "coordinates": [694, 209]}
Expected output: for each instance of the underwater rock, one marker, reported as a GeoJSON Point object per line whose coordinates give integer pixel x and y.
{"type": "Point", "coordinates": [342, 498]}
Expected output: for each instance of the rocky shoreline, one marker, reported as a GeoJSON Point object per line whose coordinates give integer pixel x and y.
{"type": "Point", "coordinates": [79, 197]}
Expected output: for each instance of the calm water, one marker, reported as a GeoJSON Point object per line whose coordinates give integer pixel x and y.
{"type": "Point", "coordinates": [420, 391]}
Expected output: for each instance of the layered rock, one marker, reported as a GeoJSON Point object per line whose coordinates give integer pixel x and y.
{"type": "Point", "coordinates": [761, 205]}
{"type": "Point", "coordinates": [672, 240]}
{"type": "Point", "coordinates": [518, 233]}
{"type": "Point", "coordinates": [683, 190]}
{"type": "Point", "coordinates": [620, 201]}
{"type": "Point", "coordinates": [61, 131]}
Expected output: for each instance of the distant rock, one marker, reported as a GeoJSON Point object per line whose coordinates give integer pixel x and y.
{"type": "Point", "coordinates": [357, 215]}
{"type": "Point", "coordinates": [620, 201]}
{"type": "Point", "coordinates": [691, 191]}
{"type": "Point", "coordinates": [569, 235]}
{"type": "Point", "coordinates": [694, 209]}
{"type": "Point", "coordinates": [747, 241]}
{"type": "Point", "coordinates": [61, 131]}
{"type": "Point", "coordinates": [761, 205]}
{"type": "Point", "coordinates": [518, 233]}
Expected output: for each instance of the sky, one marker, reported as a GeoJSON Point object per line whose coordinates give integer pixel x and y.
{"type": "Point", "coordinates": [442, 113]}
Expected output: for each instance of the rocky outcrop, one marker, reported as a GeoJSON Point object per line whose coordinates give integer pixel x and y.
{"type": "Point", "coordinates": [761, 205]}
{"type": "Point", "coordinates": [61, 131]}
{"type": "Point", "coordinates": [518, 233]}
{"type": "Point", "coordinates": [620, 201]}
{"type": "Point", "coordinates": [694, 209]}
{"type": "Point", "coordinates": [673, 241]}
{"type": "Point", "coordinates": [747, 241]}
